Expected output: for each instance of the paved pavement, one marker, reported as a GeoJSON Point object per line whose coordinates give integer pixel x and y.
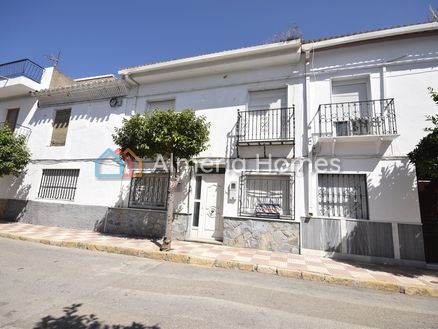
{"type": "Point", "coordinates": [48, 287]}
{"type": "Point", "coordinates": [390, 278]}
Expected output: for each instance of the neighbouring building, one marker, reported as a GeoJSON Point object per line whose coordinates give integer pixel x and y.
{"type": "Point", "coordinates": [307, 154]}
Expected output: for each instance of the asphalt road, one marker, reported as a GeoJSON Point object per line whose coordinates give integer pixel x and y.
{"type": "Point", "coordinates": [50, 287]}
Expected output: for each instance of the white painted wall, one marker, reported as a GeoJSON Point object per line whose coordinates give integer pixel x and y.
{"type": "Point", "coordinates": [402, 70]}
{"type": "Point", "coordinates": [218, 96]}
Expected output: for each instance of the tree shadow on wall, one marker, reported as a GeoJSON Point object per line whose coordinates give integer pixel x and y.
{"type": "Point", "coordinates": [396, 181]}
{"type": "Point", "coordinates": [72, 320]}
{"type": "Point", "coordinates": [396, 184]}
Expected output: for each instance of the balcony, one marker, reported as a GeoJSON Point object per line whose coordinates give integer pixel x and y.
{"type": "Point", "coordinates": [364, 121]}
{"type": "Point", "coordinates": [19, 77]}
{"type": "Point", "coordinates": [17, 129]}
{"type": "Point", "coordinates": [266, 127]}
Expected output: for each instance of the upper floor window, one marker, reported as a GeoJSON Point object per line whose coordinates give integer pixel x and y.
{"type": "Point", "coordinates": [160, 105]}
{"type": "Point", "coordinates": [268, 99]}
{"type": "Point", "coordinates": [349, 91]}
{"type": "Point", "coordinates": [267, 117]}
{"type": "Point", "coordinates": [60, 127]}
{"type": "Point", "coordinates": [11, 118]}
{"type": "Point", "coordinates": [352, 108]}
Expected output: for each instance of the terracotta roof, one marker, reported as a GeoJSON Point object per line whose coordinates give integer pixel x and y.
{"type": "Point", "coordinates": [92, 83]}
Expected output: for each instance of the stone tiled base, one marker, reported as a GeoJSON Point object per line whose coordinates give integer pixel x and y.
{"type": "Point", "coordinates": [387, 278]}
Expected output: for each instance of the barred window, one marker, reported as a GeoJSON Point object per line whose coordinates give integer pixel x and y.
{"type": "Point", "coordinates": [58, 184]}
{"type": "Point", "coordinates": [343, 195]}
{"type": "Point", "coordinates": [149, 191]}
{"type": "Point", "coordinates": [266, 196]}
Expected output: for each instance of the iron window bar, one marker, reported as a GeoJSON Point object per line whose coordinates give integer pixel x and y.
{"type": "Point", "coordinates": [149, 191]}
{"type": "Point", "coordinates": [58, 184]}
{"type": "Point", "coordinates": [267, 191]}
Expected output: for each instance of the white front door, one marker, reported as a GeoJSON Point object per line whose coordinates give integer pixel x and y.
{"type": "Point", "coordinates": [207, 220]}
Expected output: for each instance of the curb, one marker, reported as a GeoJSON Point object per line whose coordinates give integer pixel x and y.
{"type": "Point", "coordinates": [412, 290]}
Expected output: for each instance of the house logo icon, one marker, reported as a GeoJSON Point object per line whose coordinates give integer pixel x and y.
{"type": "Point", "coordinates": [118, 159]}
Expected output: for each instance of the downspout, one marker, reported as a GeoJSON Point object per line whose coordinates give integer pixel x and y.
{"type": "Point", "coordinates": [307, 166]}
{"type": "Point", "coordinates": [132, 81]}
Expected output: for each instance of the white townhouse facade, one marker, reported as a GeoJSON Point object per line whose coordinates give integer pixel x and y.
{"type": "Point", "coordinates": [308, 147]}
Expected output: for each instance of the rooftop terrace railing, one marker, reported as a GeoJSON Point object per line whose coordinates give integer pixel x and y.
{"type": "Point", "coordinates": [23, 67]}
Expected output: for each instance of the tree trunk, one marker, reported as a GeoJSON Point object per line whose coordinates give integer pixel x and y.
{"type": "Point", "coordinates": [173, 182]}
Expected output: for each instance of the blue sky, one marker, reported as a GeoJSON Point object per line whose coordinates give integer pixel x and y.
{"type": "Point", "coordinates": [101, 36]}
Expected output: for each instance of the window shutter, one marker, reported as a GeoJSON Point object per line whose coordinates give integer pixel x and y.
{"type": "Point", "coordinates": [60, 127]}
{"type": "Point", "coordinates": [268, 99]}
{"type": "Point", "coordinates": [162, 105]}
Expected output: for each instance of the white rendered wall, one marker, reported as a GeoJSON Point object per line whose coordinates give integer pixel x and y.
{"type": "Point", "coordinates": [392, 189]}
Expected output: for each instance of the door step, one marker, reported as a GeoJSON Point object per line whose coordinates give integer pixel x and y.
{"type": "Point", "coordinates": [205, 241]}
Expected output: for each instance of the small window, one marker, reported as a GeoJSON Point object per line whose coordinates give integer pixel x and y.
{"type": "Point", "coordinates": [11, 118]}
{"type": "Point", "coordinates": [197, 204]}
{"type": "Point", "coordinates": [59, 184]}
{"type": "Point", "coordinates": [60, 127]}
{"type": "Point", "coordinates": [266, 196]}
{"type": "Point", "coordinates": [343, 195]}
{"type": "Point", "coordinates": [160, 105]}
{"type": "Point", "coordinates": [149, 191]}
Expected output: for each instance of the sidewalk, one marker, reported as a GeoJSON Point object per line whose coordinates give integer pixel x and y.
{"type": "Point", "coordinates": [388, 278]}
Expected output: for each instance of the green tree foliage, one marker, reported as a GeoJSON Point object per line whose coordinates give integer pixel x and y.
{"type": "Point", "coordinates": [174, 136]}
{"type": "Point", "coordinates": [182, 135]}
{"type": "Point", "coordinates": [14, 155]}
{"type": "Point", "coordinates": [425, 154]}
{"type": "Point", "coordinates": [433, 118]}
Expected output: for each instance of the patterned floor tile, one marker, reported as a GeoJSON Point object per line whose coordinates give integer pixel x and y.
{"type": "Point", "coordinates": [254, 256]}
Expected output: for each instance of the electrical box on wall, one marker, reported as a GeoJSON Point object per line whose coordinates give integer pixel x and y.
{"type": "Point", "coordinates": [232, 191]}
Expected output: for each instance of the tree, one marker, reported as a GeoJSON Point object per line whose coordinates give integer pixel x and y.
{"type": "Point", "coordinates": [173, 135]}
{"type": "Point", "coordinates": [425, 154]}
{"type": "Point", "coordinates": [433, 118]}
{"type": "Point", "coordinates": [14, 155]}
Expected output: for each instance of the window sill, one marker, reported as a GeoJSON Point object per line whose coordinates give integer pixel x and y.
{"type": "Point", "coordinates": [263, 219]}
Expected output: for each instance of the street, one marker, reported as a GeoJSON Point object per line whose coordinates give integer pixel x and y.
{"type": "Point", "coordinates": [50, 287]}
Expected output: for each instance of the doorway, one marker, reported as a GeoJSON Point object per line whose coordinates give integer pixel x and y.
{"type": "Point", "coordinates": [428, 197]}
{"type": "Point", "coordinates": [207, 219]}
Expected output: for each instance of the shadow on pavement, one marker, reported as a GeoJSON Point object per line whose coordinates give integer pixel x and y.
{"type": "Point", "coordinates": [71, 319]}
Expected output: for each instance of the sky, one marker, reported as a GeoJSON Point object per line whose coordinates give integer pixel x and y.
{"type": "Point", "coordinates": [98, 37]}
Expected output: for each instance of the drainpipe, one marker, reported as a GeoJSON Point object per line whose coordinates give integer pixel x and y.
{"type": "Point", "coordinates": [132, 81]}
{"type": "Point", "coordinates": [308, 204]}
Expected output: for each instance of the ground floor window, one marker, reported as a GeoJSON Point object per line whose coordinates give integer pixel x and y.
{"type": "Point", "coordinates": [58, 184]}
{"type": "Point", "coordinates": [343, 195]}
{"type": "Point", "coordinates": [266, 196]}
{"type": "Point", "coordinates": [149, 191]}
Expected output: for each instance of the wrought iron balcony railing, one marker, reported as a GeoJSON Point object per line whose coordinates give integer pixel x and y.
{"type": "Point", "coordinates": [17, 129]}
{"type": "Point", "coordinates": [373, 117]}
{"type": "Point", "coordinates": [24, 67]}
{"type": "Point", "coordinates": [266, 126]}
